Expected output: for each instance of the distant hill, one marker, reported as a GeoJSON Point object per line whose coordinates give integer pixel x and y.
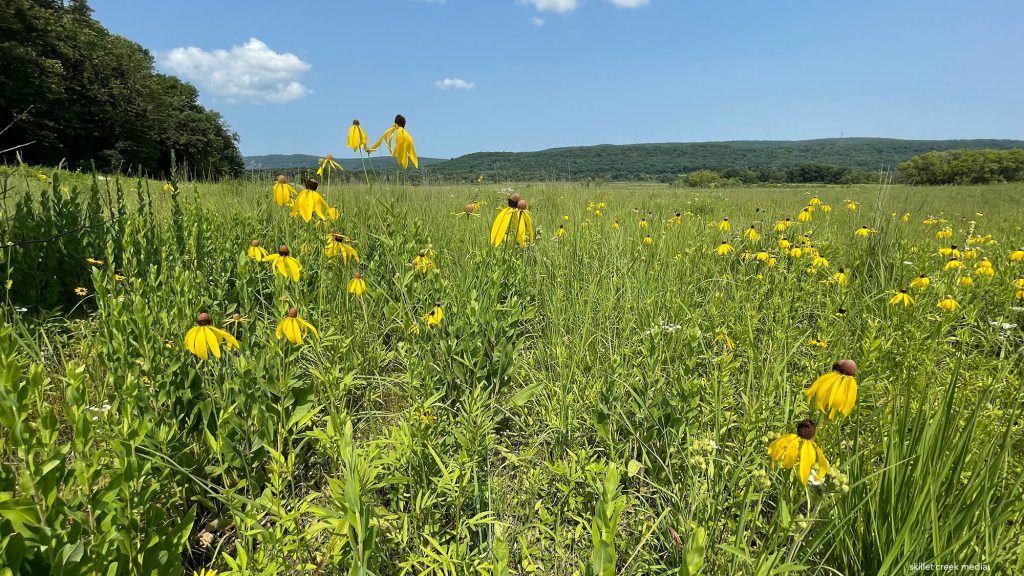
{"type": "Point", "coordinates": [666, 161]}
{"type": "Point", "coordinates": [281, 161]}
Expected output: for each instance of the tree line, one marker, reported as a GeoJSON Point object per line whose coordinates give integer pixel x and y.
{"type": "Point", "coordinates": [72, 91]}
{"type": "Point", "coordinates": [964, 167]}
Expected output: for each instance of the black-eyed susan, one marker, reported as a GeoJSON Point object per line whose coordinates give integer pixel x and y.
{"type": "Point", "coordinates": [205, 572]}
{"type": "Point", "coordinates": [293, 328]}
{"type": "Point", "coordinates": [284, 263]}
{"type": "Point", "coordinates": [422, 262]}
{"type": "Point", "coordinates": [435, 316]}
{"type": "Point", "coordinates": [799, 449]}
{"type": "Point", "coordinates": [513, 220]}
{"type": "Point", "coordinates": [204, 339]}
{"type": "Point", "coordinates": [724, 249]}
{"type": "Point", "coordinates": [118, 277]}
{"type": "Point", "coordinates": [840, 278]}
{"type": "Point", "coordinates": [836, 390]}
{"type": "Point", "coordinates": [283, 191]}
{"type": "Point", "coordinates": [340, 246]}
{"type": "Point", "coordinates": [947, 304]}
{"type": "Point", "coordinates": [357, 137]}
{"type": "Point", "coordinates": [725, 225]}
{"type": "Point", "coordinates": [327, 164]}
{"type": "Point", "coordinates": [309, 202]}
{"type": "Point", "coordinates": [984, 268]}
{"type": "Point", "coordinates": [921, 282]}
{"type": "Point", "coordinates": [752, 234]}
{"type": "Point", "coordinates": [357, 286]}
{"type": "Point", "coordinates": [817, 343]}
{"type": "Point", "coordinates": [863, 232]}
{"type": "Point", "coordinates": [399, 143]}
{"type": "Point", "coordinates": [81, 292]}
{"type": "Point", "coordinates": [94, 262]}
{"type": "Point", "coordinates": [257, 252]}
{"type": "Point", "coordinates": [902, 297]}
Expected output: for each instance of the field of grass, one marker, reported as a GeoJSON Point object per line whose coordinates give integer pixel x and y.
{"type": "Point", "coordinates": [591, 403]}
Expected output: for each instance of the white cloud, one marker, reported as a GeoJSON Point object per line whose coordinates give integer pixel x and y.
{"type": "Point", "coordinates": [630, 3]}
{"type": "Point", "coordinates": [251, 72]}
{"type": "Point", "coordinates": [537, 21]}
{"type": "Point", "coordinates": [456, 83]}
{"type": "Point", "coordinates": [559, 6]}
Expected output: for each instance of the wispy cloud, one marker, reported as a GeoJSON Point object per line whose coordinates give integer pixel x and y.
{"type": "Point", "coordinates": [630, 3]}
{"type": "Point", "coordinates": [557, 6]}
{"type": "Point", "coordinates": [537, 21]}
{"type": "Point", "coordinates": [250, 73]}
{"type": "Point", "coordinates": [454, 83]}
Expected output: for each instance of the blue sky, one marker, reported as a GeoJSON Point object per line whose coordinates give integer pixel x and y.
{"type": "Point", "coordinates": [546, 73]}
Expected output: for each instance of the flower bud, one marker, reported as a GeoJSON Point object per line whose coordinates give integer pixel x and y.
{"type": "Point", "coordinates": [203, 319]}
{"type": "Point", "coordinates": [293, 312]}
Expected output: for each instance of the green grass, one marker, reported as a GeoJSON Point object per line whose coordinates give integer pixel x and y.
{"type": "Point", "coordinates": [577, 411]}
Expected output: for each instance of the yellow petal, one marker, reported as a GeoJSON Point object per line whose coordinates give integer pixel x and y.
{"type": "Point", "coordinates": [792, 452]}
{"type": "Point", "coordinates": [500, 227]}
{"type": "Point", "coordinates": [211, 340]}
{"type": "Point", "coordinates": [807, 455]}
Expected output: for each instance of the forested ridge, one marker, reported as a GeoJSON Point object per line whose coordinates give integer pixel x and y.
{"type": "Point", "coordinates": [72, 91]}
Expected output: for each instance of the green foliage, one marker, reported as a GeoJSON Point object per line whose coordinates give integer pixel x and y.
{"type": "Point", "coordinates": [82, 94]}
{"type": "Point", "coordinates": [589, 404]}
{"type": "Point", "coordinates": [831, 160]}
{"type": "Point", "coordinates": [964, 167]}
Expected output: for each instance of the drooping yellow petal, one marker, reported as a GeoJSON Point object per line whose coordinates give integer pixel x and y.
{"type": "Point", "coordinates": [303, 324]}
{"type": "Point", "coordinates": [211, 340]}
{"type": "Point", "coordinates": [229, 340]}
{"type": "Point", "coordinates": [386, 138]}
{"type": "Point", "coordinates": [822, 462]}
{"type": "Point", "coordinates": [194, 343]}
{"type": "Point", "coordinates": [500, 227]}
{"type": "Point", "coordinates": [807, 456]}
{"type": "Point", "coordinates": [789, 458]}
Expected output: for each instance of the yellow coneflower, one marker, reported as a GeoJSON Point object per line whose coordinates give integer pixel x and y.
{"type": "Point", "coordinates": [762, 256]}
{"type": "Point", "coordinates": [724, 249]}
{"type": "Point", "coordinates": [965, 281]}
{"type": "Point", "coordinates": [815, 201]}
{"type": "Point", "coordinates": [951, 252]}
{"type": "Point", "coordinates": [921, 282]}
{"type": "Point", "coordinates": [725, 225]}
{"type": "Point", "coordinates": [969, 254]}
{"type": "Point", "coordinates": [284, 264]}
{"type": "Point", "coordinates": [283, 191]}
{"type": "Point", "coordinates": [841, 312]}
{"type": "Point", "coordinates": [800, 448]}
{"type": "Point", "coordinates": [81, 292]}
{"type": "Point", "coordinates": [560, 232]}
{"type": "Point", "coordinates": [422, 262]}
{"type": "Point", "coordinates": [340, 246]}
{"type": "Point", "coordinates": [118, 277]}
{"type": "Point", "coordinates": [327, 163]}
{"type": "Point", "coordinates": [851, 205]}
{"type": "Point", "coordinates": [826, 208]}
{"type": "Point", "coordinates": [953, 264]}
{"type": "Point", "coordinates": [840, 278]}
{"type": "Point", "coordinates": [309, 201]}
{"type": "Point", "coordinates": [202, 339]}
{"type": "Point", "coordinates": [513, 219]}
{"type": "Point", "coordinates": [294, 328]}
{"type": "Point", "coordinates": [902, 297]}
{"type": "Point", "coordinates": [1016, 255]}
{"type": "Point", "coordinates": [257, 252]}
{"type": "Point", "coordinates": [804, 215]}
{"type": "Point", "coordinates": [863, 232]}
{"type": "Point", "coordinates": [817, 343]}
{"type": "Point", "coordinates": [721, 337]}
{"type": "Point", "coordinates": [357, 137]}
{"type": "Point", "coordinates": [783, 225]}
{"type": "Point", "coordinates": [944, 233]}
{"type": "Point", "coordinates": [984, 268]}
{"type": "Point", "coordinates": [836, 390]}
{"type": "Point", "coordinates": [205, 572]}
{"type": "Point", "coordinates": [906, 217]}
{"type": "Point", "coordinates": [648, 240]}
{"type": "Point", "coordinates": [168, 187]}
{"type": "Point", "coordinates": [399, 143]}
{"type": "Point", "coordinates": [357, 286]}
{"type": "Point", "coordinates": [947, 304]}
{"type": "Point", "coordinates": [676, 220]}
{"type": "Point", "coordinates": [1019, 283]}
{"type": "Point", "coordinates": [784, 244]}
{"type": "Point", "coordinates": [468, 210]}
{"type": "Point", "coordinates": [94, 261]}
{"type": "Point", "coordinates": [752, 234]}
{"type": "Point", "coordinates": [615, 225]}
{"type": "Point", "coordinates": [796, 252]}
{"type": "Point", "coordinates": [435, 316]}
{"type": "Point", "coordinates": [819, 261]}
{"type": "Point", "coordinates": [643, 223]}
